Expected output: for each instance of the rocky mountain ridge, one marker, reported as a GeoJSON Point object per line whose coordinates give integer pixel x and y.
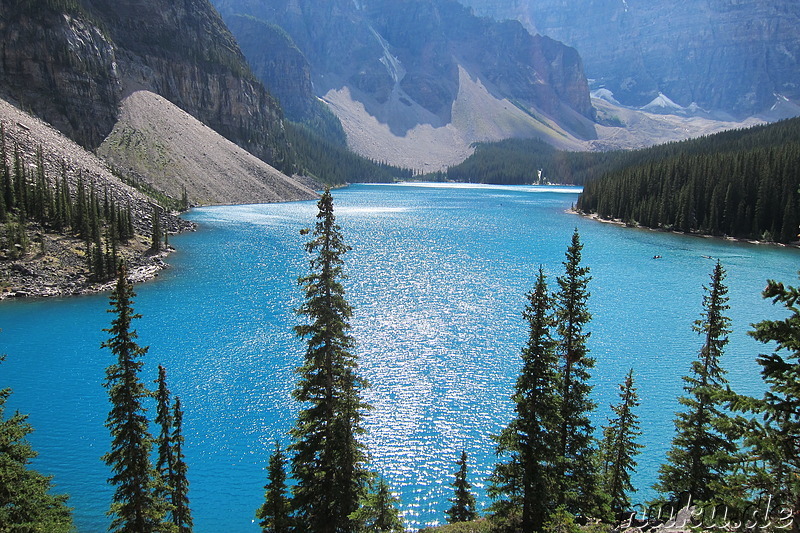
{"type": "Point", "coordinates": [400, 66]}
{"type": "Point", "coordinates": [72, 63]}
{"type": "Point", "coordinates": [157, 142]}
{"type": "Point", "coordinates": [722, 57]}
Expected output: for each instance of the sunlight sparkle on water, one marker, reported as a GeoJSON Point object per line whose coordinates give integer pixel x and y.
{"type": "Point", "coordinates": [437, 279]}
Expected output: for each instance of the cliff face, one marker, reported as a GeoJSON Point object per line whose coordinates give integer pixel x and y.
{"type": "Point", "coordinates": [727, 55]}
{"type": "Point", "coordinates": [402, 60]}
{"type": "Point", "coordinates": [74, 68]}
{"type": "Point", "coordinates": [61, 66]}
{"type": "Point", "coordinates": [275, 59]}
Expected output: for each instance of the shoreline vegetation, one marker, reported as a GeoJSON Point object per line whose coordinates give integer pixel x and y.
{"type": "Point", "coordinates": [619, 222]}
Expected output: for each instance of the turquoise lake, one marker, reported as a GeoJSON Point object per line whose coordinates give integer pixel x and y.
{"type": "Point", "coordinates": [438, 277]}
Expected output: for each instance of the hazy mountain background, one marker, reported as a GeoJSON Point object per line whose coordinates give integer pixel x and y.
{"type": "Point", "coordinates": [731, 58]}
{"type": "Point", "coordinates": [416, 82]}
{"type": "Point", "coordinates": [408, 82]}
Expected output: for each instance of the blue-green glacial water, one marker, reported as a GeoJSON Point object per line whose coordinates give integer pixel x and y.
{"type": "Point", "coordinates": [438, 277]}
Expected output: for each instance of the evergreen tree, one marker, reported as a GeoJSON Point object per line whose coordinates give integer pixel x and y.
{"type": "Point", "coordinates": [165, 462]}
{"type": "Point", "coordinates": [701, 430]}
{"type": "Point", "coordinates": [181, 513]}
{"type": "Point", "coordinates": [619, 446]}
{"type": "Point", "coordinates": [26, 503]}
{"type": "Point", "coordinates": [463, 509]}
{"type": "Point", "coordinates": [155, 231]}
{"type": "Point", "coordinates": [771, 437]}
{"type": "Point", "coordinates": [135, 508]}
{"type": "Point", "coordinates": [577, 480]}
{"type": "Point", "coordinates": [274, 514]}
{"type": "Point", "coordinates": [525, 485]}
{"type": "Point", "coordinates": [328, 461]}
{"type": "Point", "coordinates": [378, 512]}
{"type": "Point", "coordinates": [5, 174]}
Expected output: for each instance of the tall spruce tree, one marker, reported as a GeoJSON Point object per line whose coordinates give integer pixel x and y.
{"type": "Point", "coordinates": [619, 447]}
{"type": "Point", "coordinates": [771, 436]}
{"type": "Point", "coordinates": [181, 513]}
{"type": "Point", "coordinates": [274, 514]}
{"type": "Point", "coordinates": [328, 461]}
{"type": "Point", "coordinates": [524, 486]}
{"type": "Point", "coordinates": [155, 230]}
{"type": "Point", "coordinates": [26, 503]}
{"type": "Point", "coordinates": [577, 479]}
{"type": "Point", "coordinates": [165, 462]}
{"type": "Point", "coordinates": [702, 429]}
{"type": "Point", "coordinates": [463, 509]}
{"type": "Point", "coordinates": [135, 508]}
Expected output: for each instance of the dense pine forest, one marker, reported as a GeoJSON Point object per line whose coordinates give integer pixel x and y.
{"type": "Point", "coordinates": [29, 195]}
{"type": "Point", "coordinates": [518, 162]}
{"type": "Point", "coordinates": [333, 163]}
{"type": "Point", "coordinates": [741, 184]}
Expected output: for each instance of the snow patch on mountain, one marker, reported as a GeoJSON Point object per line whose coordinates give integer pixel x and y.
{"type": "Point", "coordinates": [604, 94]}
{"type": "Point", "coordinates": [660, 103]}
{"type": "Point", "coordinates": [392, 64]}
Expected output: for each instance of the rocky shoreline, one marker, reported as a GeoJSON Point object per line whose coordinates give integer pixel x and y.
{"type": "Point", "coordinates": [618, 222]}
{"type": "Point", "coordinates": [57, 268]}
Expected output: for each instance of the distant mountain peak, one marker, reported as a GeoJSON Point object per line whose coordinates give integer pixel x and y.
{"type": "Point", "coordinates": [403, 64]}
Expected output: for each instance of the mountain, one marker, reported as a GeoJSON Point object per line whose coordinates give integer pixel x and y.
{"type": "Point", "coordinates": [72, 62]}
{"type": "Point", "coordinates": [733, 58]}
{"type": "Point", "coordinates": [77, 64]}
{"type": "Point", "coordinates": [416, 82]}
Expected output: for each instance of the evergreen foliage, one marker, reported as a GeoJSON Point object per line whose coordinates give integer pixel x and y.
{"type": "Point", "coordinates": [165, 461]}
{"type": "Point", "coordinates": [577, 487]}
{"type": "Point", "coordinates": [334, 164]}
{"type": "Point", "coordinates": [741, 184]}
{"type": "Point", "coordinates": [155, 232]}
{"type": "Point", "coordinates": [702, 429]}
{"type": "Point", "coordinates": [378, 512]}
{"type": "Point", "coordinates": [181, 514]}
{"type": "Point", "coordinates": [35, 197]}
{"type": "Point", "coordinates": [619, 447]}
{"type": "Point", "coordinates": [274, 514]}
{"type": "Point", "coordinates": [26, 503]}
{"type": "Point", "coordinates": [135, 507]}
{"type": "Point", "coordinates": [525, 485]}
{"type": "Point", "coordinates": [771, 435]}
{"type": "Point", "coordinates": [463, 509]}
{"type": "Point", "coordinates": [328, 462]}
{"type": "Point", "coordinates": [561, 521]}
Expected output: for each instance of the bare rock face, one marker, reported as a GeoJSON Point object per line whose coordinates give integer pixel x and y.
{"type": "Point", "coordinates": [73, 68]}
{"type": "Point", "coordinates": [733, 56]}
{"type": "Point", "coordinates": [175, 153]}
{"type": "Point", "coordinates": [402, 60]}
{"type": "Point", "coordinates": [276, 61]}
{"type": "Point", "coordinates": [61, 66]}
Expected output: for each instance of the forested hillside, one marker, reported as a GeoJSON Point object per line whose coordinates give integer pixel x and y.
{"type": "Point", "coordinates": [741, 184]}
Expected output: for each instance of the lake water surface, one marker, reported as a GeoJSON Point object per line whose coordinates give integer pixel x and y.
{"type": "Point", "coordinates": [438, 277]}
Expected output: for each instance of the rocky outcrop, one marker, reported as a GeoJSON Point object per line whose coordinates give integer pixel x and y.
{"type": "Point", "coordinates": [60, 65]}
{"type": "Point", "coordinates": [277, 62]}
{"type": "Point", "coordinates": [402, 60]}
{"type": "Point", "coordinates": [721, 55]}
{"type": "Point", "coordinates": [73, 67]}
